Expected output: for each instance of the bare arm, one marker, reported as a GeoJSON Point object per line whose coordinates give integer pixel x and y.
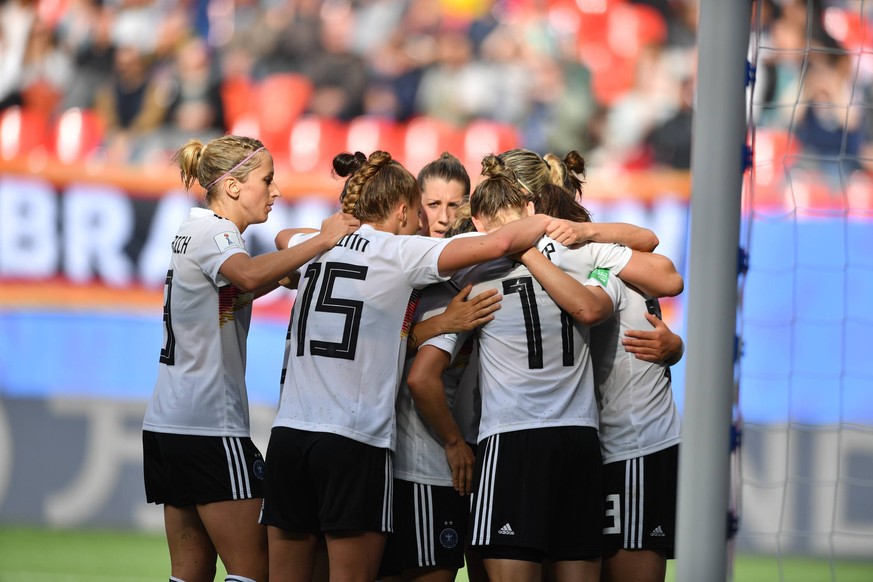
{"type": "Point", "coordinates": [510, 238]}
{"type": "Point", "coordinates": [252, 274]}
{"type": "Point", "coordinates": [589, 305]}
{"type": "Point", "coordinates": [573, 233]}
{"type": "Point", "coordinates": [656, 345]}
{"type": "Point", "coordinates": [460, 315]}
{"type": "Point", "coordinates": [654, 274]}
{"type": "Point", "coordinates": [427, 389]}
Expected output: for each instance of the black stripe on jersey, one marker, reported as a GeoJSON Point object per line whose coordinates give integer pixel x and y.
{"type": "Point", "coordinates": [424, 527]}
{"type": "Point", "coordinates": [484, 504]}
{"type": "Point", "coordinates": [633, 503]}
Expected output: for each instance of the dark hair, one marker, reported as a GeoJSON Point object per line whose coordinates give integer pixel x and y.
{"type": "Point", "coordinates": [559, 202]}
{"type": "Point", "coordinates": [448, 168]}
{"type": "Point", "coordinates": [374, 185]}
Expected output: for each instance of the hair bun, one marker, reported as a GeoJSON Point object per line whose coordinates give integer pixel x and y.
{"type": "Point", "coordinates": [346, 164]}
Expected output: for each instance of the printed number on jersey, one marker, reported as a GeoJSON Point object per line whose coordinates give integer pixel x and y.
{"type": "Point", "coordinates": [525, 288]}
{"type": "Point", "coordinates": [168, 352]}
{"type": "Point", "coordinates": [320, 280]}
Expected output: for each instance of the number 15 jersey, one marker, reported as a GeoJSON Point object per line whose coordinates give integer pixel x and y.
{"type": "Point", "coordinates": [347, 338]}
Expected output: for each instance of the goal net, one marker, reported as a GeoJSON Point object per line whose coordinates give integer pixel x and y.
{"type": "Point", "coordinates": [805, 389]}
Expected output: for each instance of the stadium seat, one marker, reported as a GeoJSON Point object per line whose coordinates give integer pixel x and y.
{"type": "Point", "coordinates": [42, 96]}
{"type": "Point", "coordinates": [237, 96]}
{"type": "Point", "coordinates": [426, 138]}
{"type": "Point", "coordinates": [367, 134]}
{"type": "Point", "coordinates": [77, 135]}
{"type": "Point", "coordinates": [483, 137]}
{"type": "Point", "coordinates": [609, 44]}
{"type": "Point", "coordinates": [280, 99]}
{"type": "Point", "coordinates": [313, 142]}
{"type": "Point", "coordinates": [774, 152]}
{"type": "Point", "coordinates": [22, 131]}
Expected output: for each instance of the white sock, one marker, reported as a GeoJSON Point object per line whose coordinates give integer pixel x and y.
{"type": "Point", "coordinates": [174, 579]}
{"type": "Point", "coordinates": [237, 578]}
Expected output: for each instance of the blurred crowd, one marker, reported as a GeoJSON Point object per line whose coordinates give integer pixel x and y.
{"type": "Point", "coordinates": [611, 78]}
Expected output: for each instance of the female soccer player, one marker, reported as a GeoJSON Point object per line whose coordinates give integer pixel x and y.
{"type": "Point", "coordinates": [330, 467]}
{"type": "Point", "coordinates": [639, 421]}
{"type": "Point", "coordinates": [534, 172]}
{"type": "Point", "coordinates": [199, 460]}
{"type": "Point", "coordinates": [430, 466]}
{"type": "Point", "coordinates": [537, 487]}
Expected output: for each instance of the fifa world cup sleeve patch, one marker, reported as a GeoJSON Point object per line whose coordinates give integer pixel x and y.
{"type": "Point", "coordinates": [600, 275]}
{"type": "Point", "coordinates": [228, 240]}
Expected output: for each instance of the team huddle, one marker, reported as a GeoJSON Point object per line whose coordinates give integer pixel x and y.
{"type": "Point", "coordinates": [476, 378]}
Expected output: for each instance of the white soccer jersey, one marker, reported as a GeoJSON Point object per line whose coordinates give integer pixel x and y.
{"type": "Point", "coordinates": [637, 413]}
{"type": "Point", "coordinates": [420, 455]}
{"type": "Point", "coordinates": [534, 361]}
{"type": "Point", "coordinates": [348, 333]}
{"type": "Point", "coordinates": [201, 388]}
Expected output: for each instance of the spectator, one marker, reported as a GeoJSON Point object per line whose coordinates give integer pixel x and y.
{"type": "Point", "coordinates": [194, 107]}
{"type": "Point", "coordinates": [338, 74]}
{"type": "Point", "coordinates": [47, 70]}
{"type": "Point", "coordinates": [16, 19]}
{"type": "Point", "coordinates": [130, 104]}
{"type": "Point", "coordinates": [84, 33]}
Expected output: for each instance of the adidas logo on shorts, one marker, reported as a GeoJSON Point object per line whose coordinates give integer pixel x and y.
{"type": "Point", "coordinates": [657, 532]}
{"type": "Point", "coordinates": [507, 530]}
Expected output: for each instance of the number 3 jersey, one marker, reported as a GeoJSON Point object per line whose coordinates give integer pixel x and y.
{"type": "Point", "coordinates": [534, 362]}
{"type": "Point", "coordinates": [201, 387]}
{"type": "Point", "coordinates": [347, 337]}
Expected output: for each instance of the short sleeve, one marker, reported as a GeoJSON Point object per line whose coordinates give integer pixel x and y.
{"type": "Point", "coordinates": [221, 241]}
{"type": "Point", "coordinates": [610, 256]}
{"type": "Point", "coordinates": [419, 256]}
{"type": "Point", "coordinates": [451, 343]}
{"type": "Point", "coordinates": [611, 284]}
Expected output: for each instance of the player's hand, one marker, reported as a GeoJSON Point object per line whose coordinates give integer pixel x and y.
{"type": "Point", "coordinates": [656, 345]}
{"type": "Point", "coordinates": [568, 233]}
{"type": "Point", "coordinates": [464, 314]}
{"type": "Point", "coordinates": [338, 225]}
{"type": "Point", "coordinates": [461, 459]}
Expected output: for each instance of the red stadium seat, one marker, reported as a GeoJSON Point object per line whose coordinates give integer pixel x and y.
{"type": "Point", "coordinates": [367, 134]}
{"type": "Point", "coordinates": [237, 97]}
{"type": "Point", "coordinates": [609, 43]}
{"type": "Point", "coordinates": [280, 99]}
{"type": "Point", "coordinates": [483, 137]}
{"type": "Point", "coordinates": [774, 152]}
{"type": "Point", "coordinates": [313, 142]}
{"type": "Point", "coordinates": [78, 135]}
{"type": "Point", "coordinates": [426, 138]}
{"type": "Point", "coordinates": [22, 131]}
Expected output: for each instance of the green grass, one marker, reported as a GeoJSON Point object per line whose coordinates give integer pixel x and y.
{"type": "Point", "coordinates": [46, 555]}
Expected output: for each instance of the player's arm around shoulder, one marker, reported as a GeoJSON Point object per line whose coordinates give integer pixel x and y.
{"type": "Point", "coordinates": [587, 303]}
{"type": "Point", "coordinates": [654, 274]}
{"type": "Point", "coordinates": [262, 273]}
